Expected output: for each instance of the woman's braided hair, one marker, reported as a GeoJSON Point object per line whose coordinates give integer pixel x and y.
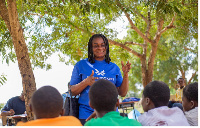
{"type": "Point", "coordinates": [90, 51]}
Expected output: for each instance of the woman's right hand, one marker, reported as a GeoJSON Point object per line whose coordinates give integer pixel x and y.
{"type": "Point", "coordinates": [90, 79]}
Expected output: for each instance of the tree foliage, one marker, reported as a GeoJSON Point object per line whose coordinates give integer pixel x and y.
{"type": "Point", "coordinates": [2, 79]}
{"type": "Point", "coordinates": [66, 26]}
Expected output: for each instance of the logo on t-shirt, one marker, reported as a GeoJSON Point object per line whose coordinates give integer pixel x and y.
{"type": "Point", "coordinates": [100, 73]}
{"type": "Point", "coordinates": [160, 123]}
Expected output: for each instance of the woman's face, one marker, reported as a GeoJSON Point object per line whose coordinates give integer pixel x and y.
{"type": "Point", "coordinates": [99, 48]}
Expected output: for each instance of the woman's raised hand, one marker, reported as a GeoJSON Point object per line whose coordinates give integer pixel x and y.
{"type": "Point", "coordinates": [126, 68]}
{"type": "Point", "coordinates": [91, 79]}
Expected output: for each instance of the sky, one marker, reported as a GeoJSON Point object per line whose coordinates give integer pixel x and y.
{"type": "Point", "coordinates": [58, 76]}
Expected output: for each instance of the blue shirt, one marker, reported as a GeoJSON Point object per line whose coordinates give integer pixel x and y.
{"type": "Point", "coordinates": [16, 104]}
{"type": "Point", "coordinates": [102, 70]}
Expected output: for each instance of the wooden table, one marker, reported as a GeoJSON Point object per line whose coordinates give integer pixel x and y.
{"type": "Point", "coordinates": [12, 120]}
{"type": "Point", "coordinates": [126, 106]}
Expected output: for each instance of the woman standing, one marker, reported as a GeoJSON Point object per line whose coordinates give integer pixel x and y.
{"type": "Point", "coordinates": [96, 66]}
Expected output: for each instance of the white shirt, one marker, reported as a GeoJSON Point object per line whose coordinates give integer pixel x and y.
{"type": "Point", "coordinates": [192, 116]}
{"type": "Point", "coordinates": [163, 116]}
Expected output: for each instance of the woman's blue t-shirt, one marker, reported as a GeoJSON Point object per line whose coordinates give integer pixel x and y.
{"type": "Point", "coordinates": [102, 70]}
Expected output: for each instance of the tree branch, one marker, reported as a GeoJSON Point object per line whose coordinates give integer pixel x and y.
{"type": "Point", "coordinates": [193, 74]}
{"type": "Point", "coordinates": [133, 25]}
{"type": "Point", "coordinates": [148, 25]}
{"type": "Point", "coordinates": [158, 34]}
{"type": "Point", "coordinates": [63, 1]}
{"type": "Point", "coordinates": [186, 48]}
{"type": "Point", "coordinates": [134, 43]}
{"type": "Point", "coordinates": [112, 42]}
{"type": "Point", "coordinates": [125, 47]}
{"type": "Point", "coordinates": [4, 14]}
{"type": "Point", "coordinates": [35, 14]}
{"type": "Point", "coordinates": [139, 14]}
{"type": "Point", "coordinates": [169, 26]}
{"type": "Point", "coordinates": [136, 29]}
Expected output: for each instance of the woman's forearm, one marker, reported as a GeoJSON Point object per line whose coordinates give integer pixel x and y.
{"type": "Point", "coordinates": [123, 89]}
{"type": "Point", "coordinates": [78, 88]}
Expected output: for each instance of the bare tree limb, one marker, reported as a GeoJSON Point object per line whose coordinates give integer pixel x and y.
{"type": "Point", "coordinates": [136, 29]}
{"type": "Point", "coordinates": [4, 13]}
{"type": "Point", "coordinates": [182, 72]}
{"type": "Point", "coordinates": [193, 74]}
{"type": "Point", "coordinates": [186, 48]}
{"type": "Point", "coordinates": [110, 41]}
{"type": "Point", "coordinates": [169, 26]}
{"type": "Point", "coordinates": [134, 43]}
{"type": "Point", "coordinates": [142, 16]}
{"type": "Point", "coordinates": [133, 25]}
{"type": "Point", "coordinates": [63, 1]}
{"type": "Point", "coordinates": [158, 33]}
{"type": "Point", "coordinates": [35, 14]}
{"type": "Point", "coordinates": [148, 25]}
{"type": "Point", "coordinates": [125, 47]}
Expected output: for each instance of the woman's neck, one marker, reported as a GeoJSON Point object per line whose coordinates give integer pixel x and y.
{"type": "Point", "coordinates": [100, 58]}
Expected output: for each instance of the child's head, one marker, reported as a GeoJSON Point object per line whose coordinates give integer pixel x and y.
{"type": "Point", "coordinates": [47, 102]}
{"type": "Point", "coordinates": [103, 96]}
{"type": "Point", "coordinates": [155, 94]}
{"type": "Point", "coordinates": [190, 96]}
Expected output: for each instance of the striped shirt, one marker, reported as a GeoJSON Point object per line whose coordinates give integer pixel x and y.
{"type": "Point", "coordinates": [192, 116]}
{"type": "Point", "coordinates": [163, 116]}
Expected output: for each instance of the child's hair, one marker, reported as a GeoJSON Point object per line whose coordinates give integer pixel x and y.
{"type": "Point", "coordinates": [191, 92]}
{"type": "Point", "coordinates": [47, 102]}
{"type": "Point", "coordinates": [103, 95]}
{"type": "Point", "coordinates": [158, 92]}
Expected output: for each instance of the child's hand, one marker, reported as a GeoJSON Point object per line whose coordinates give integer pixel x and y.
{"type": "Point", "coordinates": [93, 115]}
{"type": "Point", "coordinates": [11, 112]}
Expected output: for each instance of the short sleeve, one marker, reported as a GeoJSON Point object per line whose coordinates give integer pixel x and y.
{"type": "Point", "coordinates": [8, 105]}
{"type": "Point", "coordinates": [76, 76]}
{"type": "Point", "coordinates": [119, 78]}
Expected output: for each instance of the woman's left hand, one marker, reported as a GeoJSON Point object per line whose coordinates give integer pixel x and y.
{"type": "Point", "coordinates": [126, 68]}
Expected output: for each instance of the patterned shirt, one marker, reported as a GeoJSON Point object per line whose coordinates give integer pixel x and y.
{"type": "Point", "coordinates": [179, 94]}
{"type": "Point", "coordinates": [192, 116]}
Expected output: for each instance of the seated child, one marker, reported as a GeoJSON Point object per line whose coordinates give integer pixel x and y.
{"type": "Point", "coordinates": [155, 99]}
{"type": "Point", "coordinates": [47, 106]}
{"type": "Point", "coordinates": [103, 97]}
{"type": "Point", "coordinates": [190, 103]}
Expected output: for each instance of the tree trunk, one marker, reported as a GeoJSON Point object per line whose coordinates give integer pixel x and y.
{"type": "Point", "coordinates": [144, 71]}
{"type": "Point", "coordinates": [22, 54]}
